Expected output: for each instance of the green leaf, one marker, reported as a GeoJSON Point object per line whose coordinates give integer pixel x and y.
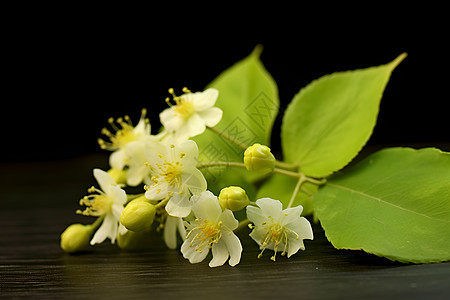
{"type": "Point", "coordinates": [248, 96]}
{"type": "Point", "coordinates": [281, 187]}
{"type": "Point", "coordinates": [395, 203]}
{"type": "Point", "coordinates": [331, 119]}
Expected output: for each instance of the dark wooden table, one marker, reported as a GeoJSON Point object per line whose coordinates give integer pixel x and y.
{"type": "Point", "coordinates": [38, 201]}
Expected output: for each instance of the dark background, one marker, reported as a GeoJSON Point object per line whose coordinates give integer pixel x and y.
{"type": "Point", "coordinates": [67, 71]}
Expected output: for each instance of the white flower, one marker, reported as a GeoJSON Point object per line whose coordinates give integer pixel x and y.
{"type": "Point", "coordinates": [107, 204]}
{"type": "Point", "coordinates": [213, 229]}
{"type": "Point", "coordinates": [125, 134]}
{"type": "Point", "coordinates": [277, 229]}
{"type": "Point", "coordinates": [175, 177]}
{"type": "Point", "coordinates": [191, 113]}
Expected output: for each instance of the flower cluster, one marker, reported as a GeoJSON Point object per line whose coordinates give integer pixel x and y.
{"type": "Point", "coordinates": [175, 198]}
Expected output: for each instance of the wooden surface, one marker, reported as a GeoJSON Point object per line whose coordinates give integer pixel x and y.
{"type": "Point", "coordinates": [39, 200]}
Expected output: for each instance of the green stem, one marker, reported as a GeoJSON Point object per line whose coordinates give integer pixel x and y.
{"type": "Point", "coordinates": [276, 170]}
{"type": "Point", "coordinates": [288, 173]}
{"type": "Point", "coordinates": [97, 223]}
{"type": "Point", "coordinates": [242, 225]}
{"type": "Point", "coordinates": [221, 164]}
{"type": "Point", "coordinates": [162, 203]}
{"type": "Point", "coordinates": [229, 138]}
{"type": "Point", "coordinates": [316, 181]}
{"type": "Point", "coordinates": [242, 165]}
{"type": "Point", "coordinates": [300, 181]}
{"type": "Point", "coordinates": [286, 166]}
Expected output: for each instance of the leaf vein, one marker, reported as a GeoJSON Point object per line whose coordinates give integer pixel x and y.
{"type": "Point", "coordinates": [383, 201]}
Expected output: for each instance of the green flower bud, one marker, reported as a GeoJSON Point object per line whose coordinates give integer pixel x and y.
{"type": "Point", "coordinates": [136, 241]}
{"type": "Point", "coordinates": [234, 198]}
{"type": "Point", "coordinates": [258, 158]}
{"type": "Point", "coordinates": [138, 215]}
{"type": "Point", "coordinates": [76, 238]}
{"type": "Point", "coordinates": [119, 176]}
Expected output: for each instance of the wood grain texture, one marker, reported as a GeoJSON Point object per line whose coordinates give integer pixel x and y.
{"type": "Point", "coordinates": [39, 200]}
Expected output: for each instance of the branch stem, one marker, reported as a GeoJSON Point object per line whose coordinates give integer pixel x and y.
{"type": "Point", "coordinates": [229, 138]}
{"type": "Point", "coordinates": [300, 181]}
{"type": "Point", "coordinates": [242, 225]}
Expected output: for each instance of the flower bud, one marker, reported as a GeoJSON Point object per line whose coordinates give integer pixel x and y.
{"type": "Point", "coordinates": [136, 241]}
{"type": "Point", "coordinates": [258, 158]}
{"type": "Point", "coordinates": [234, 198]}
{"type": "Point", "coordinates": [138, 215]}
{"type": "Point", "coordinates": [76, 238]}
{"type": "Point", "coordinates": [119, 176]}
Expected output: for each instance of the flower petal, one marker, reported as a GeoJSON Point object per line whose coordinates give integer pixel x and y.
{"type": "Point", "coordinates": [203, 100]}
{"type": "Point", "coordinates": [211, 116]}
{"type": "Point", "coordinates": [234, 247]}
{"type": "Point", "coordinates": [190, 253]}
{"type": "Point", "coordinates": [137, 153]}
{"type": "Point", "coordinates": [255, 215]}
{"type": "Point", "coordinates": [302, 227]}
{"type": "Point", "coordinates": [137, 174]}
{"type": "Point", "coordinates": [294, 245]}
{"type": "Point", "coordinates": [104, 179]}
{"type": "Point", "coordinates": [258, 234]}
{"type": "Point", "coordinates": [194, 181]}
{"type": "Point", "coordinates": [181, 134]}
{"type": "Point", "coordinates": [170, 119]}
{"type": "Point", "coordinates": [143, 127]}
{"type": "Point", "coordinates": [189, 148]}
{"type": "Point", "coordinates": [179, 205]}
{"type": "Point", "coordinates": [118, 159]}
{"type": "Point", "coordinates": [108, 229]}
{"type": "Point", "coordinates": [117, 195]}
{"type": "Point", "coordinates": [157, 191]}
{"type": "Point", "coordinates": [228, 219]}
{"type": "Point", "coordinates": [116, 210]}
{"type": "Point", "coordinates": [270, 207]}
{"type": "Point", "coordinates": [196, 125]}
{"type": "Point", "coordinates": [291, 214]}
{"type": "Point", "coordinates": [170, 232]}
{"type": "Point", "coordinates": [122, 229]}
{"type": "Point", "coordinates": [220, 254]}
{"type": "Point", "coordinates": [206, 206]}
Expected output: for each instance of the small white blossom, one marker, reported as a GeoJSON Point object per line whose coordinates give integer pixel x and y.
{"type": "Point", "coordinates": [107, 204]}
{"type": "Point", "coordinates": [213, 229]}
{"type": "Point", "coordinates": [278, 229]}
{"type": "Point", "coordinates": [175, 176]}
{"type": "Point", "coordinates": [191, 113]}
{"type": "Point", "coordinates": [124, 135]}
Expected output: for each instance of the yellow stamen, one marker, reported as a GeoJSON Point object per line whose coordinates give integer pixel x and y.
{"type": "Point", "coordinates": [96, 205]}
{"type": "Point", "coordinates": [182, 107]}
{"type": "Point", "coordinates": [124, 133]}
{"type": "Point", "coordinates": [207, 234]}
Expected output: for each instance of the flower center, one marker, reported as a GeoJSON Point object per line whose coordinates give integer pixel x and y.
{"type": "Point", "coordinates": [96, 205]}
{"type": "Point", "coordinates": [208, 233]}
{"type": "Point", "coordinates": [124, 133]}
{"type": "Point", "coordinates": [171, 172]}
{"type": "Point", "coordinates": [183, 106]}
{"type": "Point", "coordinates": [275, 233]}
{"type": "Point", "coordinates": [167, 171]}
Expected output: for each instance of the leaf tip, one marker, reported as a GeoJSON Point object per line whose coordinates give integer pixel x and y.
{"type": "Point", "coordinates": [257, 51]}
{"type": "Point", "coordinates": [398, 60]}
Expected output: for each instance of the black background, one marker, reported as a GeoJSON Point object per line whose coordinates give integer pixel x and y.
{"type": "Point", "coordinates": [68, 69]}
